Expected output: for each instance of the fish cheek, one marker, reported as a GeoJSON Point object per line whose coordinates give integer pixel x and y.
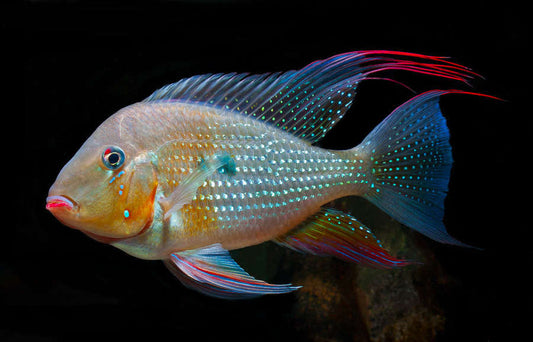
{"type": "Point", "coordinates": [125, 206]}
{"type": "Point", "coordinates": [134, 201]}
{"type": "Point", "coordinates": [138, 208]}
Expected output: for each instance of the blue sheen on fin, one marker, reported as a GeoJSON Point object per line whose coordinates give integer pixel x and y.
{"type": "Point", "coordinates": [330, 232]}
{"type": "Point", "coordinates": [308, 102]}
{"type": "Point", "coordinates": [212, 271]}
{"type": "Point", "coordinates": [411, 162]}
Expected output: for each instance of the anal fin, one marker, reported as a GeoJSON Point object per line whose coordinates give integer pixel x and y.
{"type": "Point", "coordinates": [212, 271]}
{"type": "Point", "coordinates": [331, 232]}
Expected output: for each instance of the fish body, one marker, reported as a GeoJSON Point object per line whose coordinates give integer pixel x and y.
{"type": "Point", "coordinates": [275, 181]}
{"type": "Point", "coordinates": [219, 162]}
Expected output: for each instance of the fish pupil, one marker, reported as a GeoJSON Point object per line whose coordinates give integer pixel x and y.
{"type": "Point", "coordinates": [113, 158]}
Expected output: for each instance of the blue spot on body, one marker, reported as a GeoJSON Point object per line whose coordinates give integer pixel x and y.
{"type": "Point", "coordinates": [126, 213]}
{"type": "Point", "coordinates": [229, 166]}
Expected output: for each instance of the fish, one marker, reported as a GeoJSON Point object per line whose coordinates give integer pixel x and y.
{"type": "Point", "coordinates": [219, 162]}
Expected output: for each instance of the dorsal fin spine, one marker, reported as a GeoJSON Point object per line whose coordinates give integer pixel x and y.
{"type": "Point", "coordinates": [308, 102]}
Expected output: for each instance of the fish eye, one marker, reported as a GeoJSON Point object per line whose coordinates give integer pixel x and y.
{"type": "Point", "coordinates": [113, 157]}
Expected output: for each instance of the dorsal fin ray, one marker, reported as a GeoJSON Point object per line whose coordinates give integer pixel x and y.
{"type": "Point", "coordinates": [308, 102]}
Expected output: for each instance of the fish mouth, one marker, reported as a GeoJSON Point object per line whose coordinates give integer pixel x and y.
{"type": "Point", "coordinates": [64, 202]}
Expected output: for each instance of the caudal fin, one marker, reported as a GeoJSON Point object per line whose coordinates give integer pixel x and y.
{"type": "Point", "coordinates": [411, 160]}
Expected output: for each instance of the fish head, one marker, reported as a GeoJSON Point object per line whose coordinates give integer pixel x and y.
{"type": "Point", "coordinates": [107, 189]}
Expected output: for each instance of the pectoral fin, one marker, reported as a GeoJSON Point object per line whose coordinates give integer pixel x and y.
{"type": "Point", "coordinates": [212, 271]}
{"type": "Point", "coordinates": [186, 190]}
{"type": "Point", "coordinates": [334, 233]}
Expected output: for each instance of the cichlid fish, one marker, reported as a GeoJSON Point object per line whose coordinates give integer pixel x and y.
{"type": "Point", "coordinates": [224, 161]}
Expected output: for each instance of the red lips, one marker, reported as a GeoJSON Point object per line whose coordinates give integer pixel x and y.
{"type": "Point", "coordinates": [58, 202]}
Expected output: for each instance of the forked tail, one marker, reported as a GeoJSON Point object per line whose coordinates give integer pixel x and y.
{"type": "Point", "coordinates": [411, 160]}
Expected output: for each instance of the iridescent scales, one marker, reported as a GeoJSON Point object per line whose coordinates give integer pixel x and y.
{"type": "Point", "coordinates": [275, 179]}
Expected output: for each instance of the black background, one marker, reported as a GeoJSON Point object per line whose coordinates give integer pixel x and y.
{"type": "Point", "coordinates": [84, 60]}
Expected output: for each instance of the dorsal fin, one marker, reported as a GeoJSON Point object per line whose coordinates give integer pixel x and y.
{"type": "Point", "coordinates": [308, 102]}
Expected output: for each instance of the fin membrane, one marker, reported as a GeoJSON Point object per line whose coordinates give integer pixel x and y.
{"type": "Point", "coordinates": [212, 271]}
{"type": "Point", "coordinates": [333, 233]}
{"type": "Point", "coordinates": [307, 102]}
{"type": "Point", "coordinates": [411, 162]}
{"type": "Point", "coordinates": [187, 188]}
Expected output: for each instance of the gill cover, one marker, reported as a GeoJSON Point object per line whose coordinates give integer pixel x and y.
{"type": "Point", "coordinates": [130, 198]}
